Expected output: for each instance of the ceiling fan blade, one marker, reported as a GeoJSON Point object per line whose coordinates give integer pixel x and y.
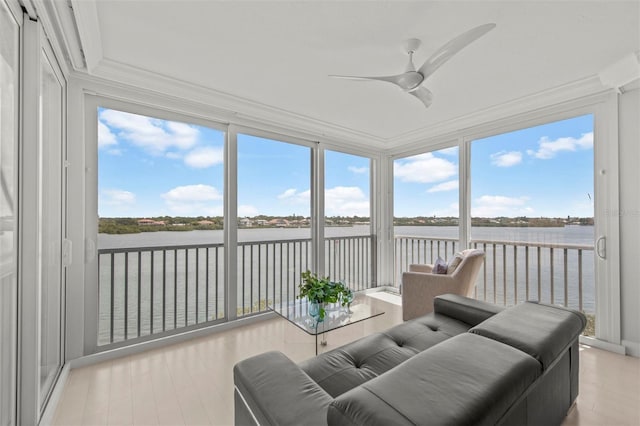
{"type": "Point", "coordinates": [395, 79]}
{"type": "Point", "coordinates": [424, 94]}
{"type": "Point", "coordinates": [447, 51]}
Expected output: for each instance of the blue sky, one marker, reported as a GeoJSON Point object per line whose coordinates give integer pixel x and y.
{"type": "Point", "coordinates": [151, 167]}
{"type": "Point", "coordinates": [540, 171]}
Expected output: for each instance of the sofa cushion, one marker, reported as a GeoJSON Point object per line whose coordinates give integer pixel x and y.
{"type": "Point", "coordinates": [542, 331]}
{"type": "Point", "coordinates": [351, 365]}
{"type": "Point", "coordinates": [467, 379]}
{"type": "Point", "coordinates": [454, 263]}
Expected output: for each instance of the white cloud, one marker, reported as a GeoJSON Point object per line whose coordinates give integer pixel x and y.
{"type": "Point", "coordinates": [247, 211]}
{"type": "Point", "coordinates": [154, 135]}
{"type": "Point", "coordinates": [424, 168]}
{"type": "Point", "coordinates": [549, 148]}
{"type": "Point", "coordinates": [201, 158]}
{"type": "Point", "coordinates": [346, 201]}
{"type": "Point", "coordinates": [289, 194]}
{"type": "Point", "coordinates": [444, 186]}
{"type": "Point", "coordinates": [506, 159]}
{"type": "Point", "coordinates": [358, 170]}
{"type": "Point", "coordinates": [117, 198]}
{"type": "Point", "coordinates": [116, 203]}
{"type": "Point", "coordinates": [499, 205]}
{"type": "Point", "coordinates": [338, 201]}
{"type": "Point", "coordinates": [105, 137]}
{"type": "Point", "coordinates": [453, 151]}
{"type": "Point", "coordinates": [197, 192]}
{"type": "Point", "coordinates": [194, 200]}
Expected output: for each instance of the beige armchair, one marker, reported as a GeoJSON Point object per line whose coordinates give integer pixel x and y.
{"type": "Point", "coordinates": [420, 286]}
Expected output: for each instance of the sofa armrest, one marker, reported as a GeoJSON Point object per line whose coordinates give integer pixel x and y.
{"type": "Point", "coordinates": [267, 386]}
{"type": "Point", "coordinates": [465, 309]}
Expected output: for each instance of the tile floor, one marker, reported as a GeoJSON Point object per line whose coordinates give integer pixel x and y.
{"type": "Point", "coordinates": [191, 383]}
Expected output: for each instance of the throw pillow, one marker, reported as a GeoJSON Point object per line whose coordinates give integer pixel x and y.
{"type": "Point", "coordinates": [440, 267]}
{"type": "Point", "coordinates": [454, 263]}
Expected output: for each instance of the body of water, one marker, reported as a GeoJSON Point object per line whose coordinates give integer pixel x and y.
{"type": "Point", "coordinates": [565, 235]}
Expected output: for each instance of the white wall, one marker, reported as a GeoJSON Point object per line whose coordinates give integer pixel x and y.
{"type": "Point", "coordinates": [629, 151]}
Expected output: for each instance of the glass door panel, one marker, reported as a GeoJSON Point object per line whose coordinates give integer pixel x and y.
{"type": "Point", "coordinates": [426, 208]}
{"type": "Point", "coordinates": [532, 212]}
{"type": "Point", "coordinates": [349, 243]}
{"type": "Point", "coordinates": [50, 196]}
{"type": "Point", "coordinates": [160, 227]}
{"type": "Point", "coordinates": [274, 221]}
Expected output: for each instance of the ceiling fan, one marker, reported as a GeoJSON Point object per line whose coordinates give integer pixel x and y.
{"type": "Point", "coordinates": [411, 79]}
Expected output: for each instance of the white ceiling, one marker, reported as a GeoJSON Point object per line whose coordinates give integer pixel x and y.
{"type": "Point", "coordinates": [279, 54]}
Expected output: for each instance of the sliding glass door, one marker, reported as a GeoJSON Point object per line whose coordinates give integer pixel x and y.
{"type": "Point", "coordinates": [349, 241]}
{"type": "Point", "coordinates": [160, 224]}
{"type": "Point", "coordinates": [274, 221]}
{"type": "Point", "coordinates": [9, 71]}
{"type": "Point", "coordinates": [51, 224]}
{"type": "Point", "coordinates": [426, 208]}
{"type": "Point", "coordinates": [532, 212]}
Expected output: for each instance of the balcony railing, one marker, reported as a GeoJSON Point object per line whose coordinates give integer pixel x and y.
{"type": "Point", "coordinates": [145, 291]}
{"type": "Point", "coordinates": [152, 291]}
{"type": "Point", "coordinates": [270, 271]}
{"type": "Point", "coordinates": [514, 271]}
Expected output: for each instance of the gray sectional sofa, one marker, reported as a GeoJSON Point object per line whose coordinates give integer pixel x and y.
{"type": "Point", "coordinates": [468, 362]}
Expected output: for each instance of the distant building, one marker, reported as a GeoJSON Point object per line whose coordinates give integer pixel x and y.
{"type": "Point", "coordinates": [280, 223]}
{"type": "Point", "coordinates": [246, 222]}
{"type": "Point", "coordinates": [151, 222]}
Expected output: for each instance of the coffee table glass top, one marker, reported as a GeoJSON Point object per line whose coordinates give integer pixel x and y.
{"type": "Point", "coordinates": [336, 316]}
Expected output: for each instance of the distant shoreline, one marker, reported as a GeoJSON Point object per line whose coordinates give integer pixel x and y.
{"type": "Point", "coordinates": [116, 226]}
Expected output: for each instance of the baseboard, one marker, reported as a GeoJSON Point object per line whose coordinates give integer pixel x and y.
{"type": "Point", "coordinates": [52, 405]}
{"type": "Point", "coordinates": [633, 348]}
{"type": "Point", "coordinates": [602, 344]}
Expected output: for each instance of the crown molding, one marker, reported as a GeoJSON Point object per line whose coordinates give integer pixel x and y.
{"type": "Point", "coordinates": [622, 72]}
{"type": "Point", "coordinates": [244, 111]}
{"type": "Point", "coordinates": [556, 95]}
{"type": "Point", "coordinates": [88, 27]}
{"type": "Point", "coordinates": [62, 14]}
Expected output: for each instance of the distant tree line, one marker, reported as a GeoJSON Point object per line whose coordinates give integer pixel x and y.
{"type": "Point", "coordinates": [131, 225]}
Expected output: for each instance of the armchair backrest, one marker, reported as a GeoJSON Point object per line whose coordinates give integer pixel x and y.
{"type": "Point", "coordinates": [420, 286]}
{"type": "Point", "coordinates": [468, 269]}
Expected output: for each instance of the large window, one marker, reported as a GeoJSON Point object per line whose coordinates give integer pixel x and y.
{"type": "Point", "coordinates": [349, 243]}
{"type": "Point", "coordinates": [532, 198]}
{"type": "Point", "coordinates": [160, 241]}
{"type": "Point", "coordinates": [274, 221]}
{"type": "Point", "coordinates": [426, 208]}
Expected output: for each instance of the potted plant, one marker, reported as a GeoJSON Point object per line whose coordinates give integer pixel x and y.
{"type": "Point", "coordinates": [321, 290]}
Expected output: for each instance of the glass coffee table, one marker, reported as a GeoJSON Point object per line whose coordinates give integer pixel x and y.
{"type": "Point", "coordinates": [336, 316]}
